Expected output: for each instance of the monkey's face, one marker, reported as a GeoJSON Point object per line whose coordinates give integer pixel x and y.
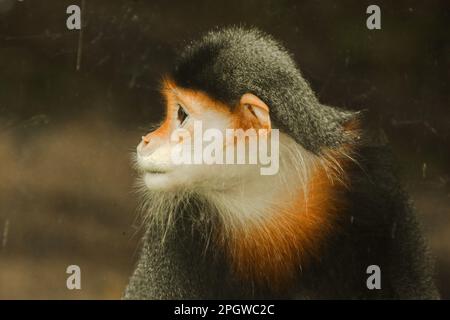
{"type": "Point", "coordinates": [189, 149]}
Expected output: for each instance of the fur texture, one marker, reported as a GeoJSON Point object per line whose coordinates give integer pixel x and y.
{"type": "Point", "coordinates": [231, 62]}
{"type": "Point", "coordinates": [311, 231]}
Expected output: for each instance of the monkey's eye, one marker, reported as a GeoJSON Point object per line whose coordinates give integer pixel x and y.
{"type": "Point", "coordinates": [181, 115]}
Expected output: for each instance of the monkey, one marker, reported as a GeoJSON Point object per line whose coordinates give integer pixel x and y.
{"type": "Point", "coordinates": [334, 208]}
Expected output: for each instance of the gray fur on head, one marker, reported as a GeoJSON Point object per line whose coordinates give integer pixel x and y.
{"type": "Point", "coordinates": [230, 62]}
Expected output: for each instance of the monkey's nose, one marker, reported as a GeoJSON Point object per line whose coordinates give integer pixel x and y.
{"type": "Point", "coordinates": [147, 145]}
{"type": "Point", "coordinates": [145, 139]}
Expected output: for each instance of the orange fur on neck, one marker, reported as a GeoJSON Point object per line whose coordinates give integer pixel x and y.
{"type": "Point", "coordinates": [273, 253]}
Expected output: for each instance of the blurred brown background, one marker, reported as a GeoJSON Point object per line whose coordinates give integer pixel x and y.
{"type": "Point", "coordinates": [66, 186]}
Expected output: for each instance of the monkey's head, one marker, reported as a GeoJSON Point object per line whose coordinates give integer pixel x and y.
{"type": "Point", "coordinates": [193, 123]}
{"type": "Point", "coordinates": [242, 79]}
{"type": "Point", "coordinates": [234, 78]}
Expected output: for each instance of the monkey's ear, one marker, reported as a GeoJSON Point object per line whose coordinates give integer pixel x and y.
{"type": "Point", "coordinates": [255, 111]}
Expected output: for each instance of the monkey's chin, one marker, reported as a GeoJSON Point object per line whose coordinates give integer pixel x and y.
{"type": "Point", "coordinates": [157, 181]}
